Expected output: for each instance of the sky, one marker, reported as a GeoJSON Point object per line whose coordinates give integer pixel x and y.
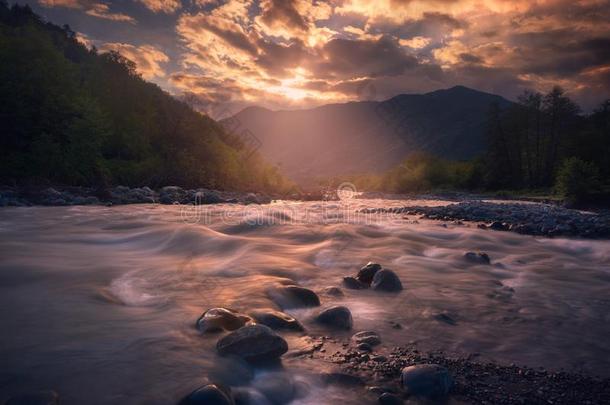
{"type": "Point", "coordinates": [284, 54]}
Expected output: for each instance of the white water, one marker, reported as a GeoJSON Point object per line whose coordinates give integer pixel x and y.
{"type": "Point", "coordinates": [99, 303]}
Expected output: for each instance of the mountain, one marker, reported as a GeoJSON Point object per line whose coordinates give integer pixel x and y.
{"type": "Point", "coordinates": [370, 136]}
{"type": "Point", "coordinates": [73, 116]}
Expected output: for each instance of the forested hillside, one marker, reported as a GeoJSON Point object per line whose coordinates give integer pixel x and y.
{"type": "Point", "coordinates": [71, 115]}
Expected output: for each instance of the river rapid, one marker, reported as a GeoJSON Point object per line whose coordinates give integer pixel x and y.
{"type": "Point", "coordinates": [99, 303]}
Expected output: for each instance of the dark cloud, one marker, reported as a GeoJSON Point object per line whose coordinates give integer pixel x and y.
{"type": "Point", "coordinates": [282, 12]}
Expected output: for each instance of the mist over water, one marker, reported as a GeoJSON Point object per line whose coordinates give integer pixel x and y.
{"type": "Point", "coordinates": [99, 303]}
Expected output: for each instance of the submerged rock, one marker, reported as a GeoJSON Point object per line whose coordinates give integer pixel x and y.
{"type": "Point", "coordinates": [35, 398]}
{"type": "Point", "coordinates": [479, 258]}
{"type": "Point", "coordinates": [279, 388]}
{"type": "Point", "coordinates": [217, 319]}
{"type": "Point", "coordinates": [338, 317]}
{"type": "Point", "coordinates": [368, 336]}
{"type": "Point", "coordinates": [353, 284]}
{"type": "Point", "coordinates": [334, 291]}
{"type": "Point", "coordinates": [254, 343]}
{"type": "Point", "coordinates": [293, 296]}
{"type": "Point", "coordinates": [249, 396]}
{"type": "Point", "coordinates": [212, 394]}
{"type": "Point", "coordinates": [386, 280]}
{"type": "Point", "coordinates": [276, 320]}
{"type": "Point", "coordinates": [426, 380]}
{"type": "Point", "coordinates": [366, 274]}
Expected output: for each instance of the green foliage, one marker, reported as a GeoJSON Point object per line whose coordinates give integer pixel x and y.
{"type": "Point", "coordinates": [577, 180]}
{"type": "Point", "coordinates": [70, 115]}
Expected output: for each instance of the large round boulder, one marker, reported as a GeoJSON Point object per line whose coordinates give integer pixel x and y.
{"type": "Point", "coordinates": [386, 280]}
{"type": "Point", "coordinates": [366, 274]}
{"type": "Point", "coordinates": [253, 343]}
{"type": "Point", "coordinates": [292, 296]}
{"type": "Point", "coordinates": [276, 320]}
{"type": "Point", "coordinates": [426, 380]}
{"type": "Point", "coordinates": [338, 317]}
{"type": "Point", "coordinates": [212, 394]}
{"type": "Point", "coordinates": [217, 319]}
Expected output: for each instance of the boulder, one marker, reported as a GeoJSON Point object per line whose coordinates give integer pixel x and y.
{"type": "Point", "coordinates": [253, 343]}
{"type": "Point", "coordinates": [426, 380]}
{"type": "Point", "coordinates": [292, 296]}
{"type": "Point", "coordinates": [366, 274]}
{"type": "Point", "coordinates": [368, 336]}
{"type": "Point", "coordinates": [35, 398]}
{"type": "Point", "coordinates": [386, 280]}
{"type": "Point", "coordinates": [212, 394]}
{"type": "Point", "coordinates": [478, 258]}
{"type": "Point", "coordinates": [353, 284]}
{"type": "Point", "coordinates": [217, 319]}
{"type": "Point", "coordinates": [338, 317]}
{"type": "Point", "coordinates": [276, 320]}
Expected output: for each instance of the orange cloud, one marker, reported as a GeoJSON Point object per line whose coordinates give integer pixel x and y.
{"type": "Point", "coordinates": [147, 58]}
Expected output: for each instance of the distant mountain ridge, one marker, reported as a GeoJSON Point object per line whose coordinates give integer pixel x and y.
{"type": "Point", "coordinates": [371, 136]}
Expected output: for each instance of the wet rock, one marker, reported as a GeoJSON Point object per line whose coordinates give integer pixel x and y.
{"type": "Point", "coordinates": [499, 226]}
{"type": "Point", "coordinates": [365, 347]}
{"type": "Point", "coordinates": [333, 291]}
{"type": "Point", "coordinates": [254, 343]}
{"type": "Point", "coordinates": [35, 398]}
{"type": "Point", "coordinates": [212, 394]}
{"type": "Point", "coordinates": [217, 319]}
{"type": "Point", "coordinates": [249, 396]}
{"type": "Point", "coordinates": [353, 284]}
{"type": "Point", "coordinates": [277, 387]}
{"type": "Point", "coordinates": [366, 274]}
{"type": "Point", "coordinates": [389, 399]}
{"type": "Point", "coordinates": [426, 380]}
{"type": "Point", "coordinates": [171, 195]}
{"type": "Point", "coordinates": [276, 320]}
{"type": "Point", "coordinates": [338, 317]}
{"type": "Point", "coordinates": [293, 296]}
{"type": "Point", "coordinates": [445, 318]}
{"type": "Point", "coordinates": [368, 336]}
{"type": "Point", "coordinates": [478, 257]}
{"type": "Point", "coordinates": [386, 280]}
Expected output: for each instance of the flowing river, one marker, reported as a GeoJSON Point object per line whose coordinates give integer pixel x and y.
{"type": "Point", "coordinates": [99, 303]}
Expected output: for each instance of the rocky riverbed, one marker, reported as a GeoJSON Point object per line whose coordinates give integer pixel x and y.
{"type": "Point", "coordinates": [521, 217]}
{"type": "Point", "coordinates": [278, 303]}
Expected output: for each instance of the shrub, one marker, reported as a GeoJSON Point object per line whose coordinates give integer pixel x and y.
{"type": "Point", "coordinates": [577, 181]}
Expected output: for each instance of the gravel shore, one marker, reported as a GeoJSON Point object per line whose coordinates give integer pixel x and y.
{"type": "Point", "coordinates": [525, 218]}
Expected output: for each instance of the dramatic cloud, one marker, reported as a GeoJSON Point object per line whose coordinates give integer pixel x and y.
{"type": "Point", "coordinates": [162, 6]}
{"type": "Point", "coordinates": [297, 53]}
{"type": "Point", "coordinates": [94, 9]}
{"type": "Point", "coordinates": [146, 57]}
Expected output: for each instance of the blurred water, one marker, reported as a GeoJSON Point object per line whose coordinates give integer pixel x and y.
{"type": "Point", "coordinates": [99, 303]}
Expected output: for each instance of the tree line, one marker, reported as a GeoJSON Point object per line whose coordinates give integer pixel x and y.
{"type": "Point", "coordinates": [72, 115]}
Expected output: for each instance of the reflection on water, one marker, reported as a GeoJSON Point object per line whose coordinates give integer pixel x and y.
{"type": "Point", "coordinates": [100, 303]}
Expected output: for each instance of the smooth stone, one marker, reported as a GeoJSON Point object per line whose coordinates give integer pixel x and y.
{"type": "Point", "coordinates": [366, 274]}
{"type": "Point", "coordinates": [386, 280]}
{"type": "Point", "coordinates": [368, 336]}
{"type": "Point", "coordinates": [338, 317]}
{"type": "Point", "coordinates": [389, 399]}
{"type": "Point", "coordinates": [293, 296]}
{"type": "Point", "coordinates": [276, 320]}
{"type": "Point", "coordinates": [353, 284]}
{"type": "Point", "coordinates": [217, 319]}
{"type": "Point", "coordinates": [249, 396]}
{"type": "Point", "coordinates": [479, 258]}
{"type": "Point", "coordinates": [426, 380]}
{"type": "Point", "coordinates": [365, 347]}
{"type": "Point", "coordinates": [253, 343]}
{"type": "Point", "coordinates": [212, 394]}
{"type": "Point", "coordinates": [278, 387]}
{"type": "Point", "coordinates": [334, 291]}
{"type": "Point", "coordinates": [35, 398]}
